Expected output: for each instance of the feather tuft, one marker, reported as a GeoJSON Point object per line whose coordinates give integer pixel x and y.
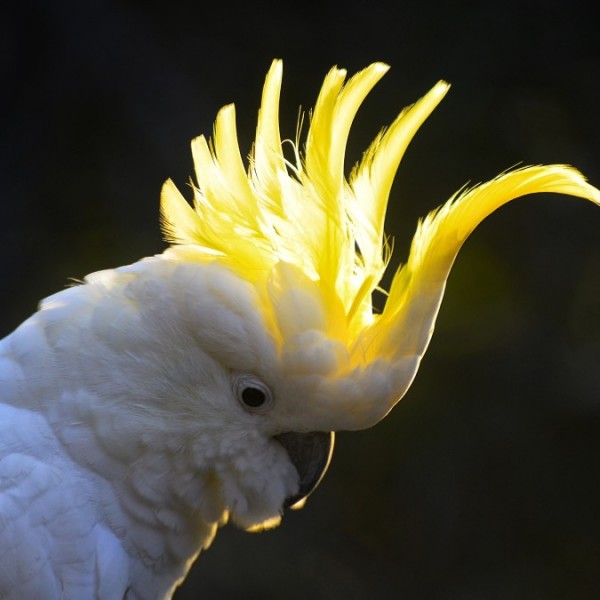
{"type": "Point", "coordinates": [304, 214]}
{"type": "Point", "coordinates": [313, 241]}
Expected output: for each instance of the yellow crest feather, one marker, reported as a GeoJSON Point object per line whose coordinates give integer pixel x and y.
{"type": "Point", "coordinates": [418, 286]}
{"type": "Point", "coordinates": [310, 237]}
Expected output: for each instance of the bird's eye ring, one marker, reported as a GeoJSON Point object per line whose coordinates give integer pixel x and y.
{"type": "Point", "coordinates": [252, 393]}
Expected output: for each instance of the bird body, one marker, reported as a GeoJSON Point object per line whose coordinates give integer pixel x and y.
{"type": "Point", "coordinates": [153, 403]}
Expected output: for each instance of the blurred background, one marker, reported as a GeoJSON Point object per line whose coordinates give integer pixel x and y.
{"type": "Point", "coordinates": [483, 482]}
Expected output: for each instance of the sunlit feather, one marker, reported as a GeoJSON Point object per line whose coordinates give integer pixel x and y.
{"type": "Point", "coordinates": [309, 237]}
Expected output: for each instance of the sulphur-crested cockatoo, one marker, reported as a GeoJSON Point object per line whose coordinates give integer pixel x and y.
{"type": "Point", "coordinates": [146, 407]}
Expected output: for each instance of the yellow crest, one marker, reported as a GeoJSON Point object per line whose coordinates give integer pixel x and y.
{"type": "Point", "coordinates": [313, 241]}
{"type": "Point", "coordinates": [305, 214]}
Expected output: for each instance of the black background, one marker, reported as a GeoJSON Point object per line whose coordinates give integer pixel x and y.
{"type": "Point", "coordinates": [483, 482]}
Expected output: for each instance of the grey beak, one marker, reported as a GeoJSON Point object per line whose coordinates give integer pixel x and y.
{"type": "Point", "coordinates": [310, 453]}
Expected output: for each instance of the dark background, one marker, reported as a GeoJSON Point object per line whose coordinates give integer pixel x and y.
{"type": "Point", "coordinates": [483, 482]}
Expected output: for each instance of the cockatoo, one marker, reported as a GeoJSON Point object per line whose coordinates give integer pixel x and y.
{"type": "Point", "coordinates": [146, 407]}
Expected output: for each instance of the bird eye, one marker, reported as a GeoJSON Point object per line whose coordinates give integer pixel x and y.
{"type": "Point", "coordinates": [252, 393]}
{"type": "Point", "coordinates": [253, 397]}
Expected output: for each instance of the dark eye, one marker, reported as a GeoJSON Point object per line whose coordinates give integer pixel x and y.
{"type": "Point", "coordinates": [253, 397]}
{"type": "Point", "coordinates": [252, 393]}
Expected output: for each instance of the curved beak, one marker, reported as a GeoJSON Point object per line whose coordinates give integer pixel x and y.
{"type": "Point", "coordinates": [310, 453]}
